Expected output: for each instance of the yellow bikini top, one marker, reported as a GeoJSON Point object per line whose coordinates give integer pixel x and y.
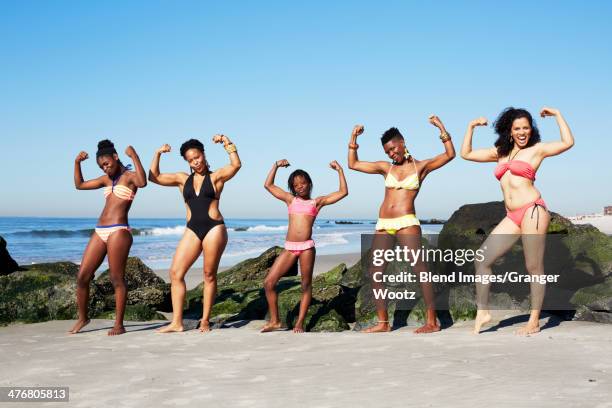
{"type": "Point", "coordinates": [409, 183]}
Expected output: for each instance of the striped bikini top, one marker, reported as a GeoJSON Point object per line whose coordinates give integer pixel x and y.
{"type": "Point", "coordinates": [299, 206]}
{"type": "Point", "coordinates": [409, 183]}
{"type": "Point", "coordinates": [120, 191]}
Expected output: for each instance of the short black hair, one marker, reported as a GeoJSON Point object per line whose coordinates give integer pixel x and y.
{"type": "Point", "coordinates": [391, 133]}
{"type": "Point", "coordinates": [298, 173]}
{"type": "Point", "coordinates": [105, 148]}
{"type": "Point", "coordinates": [191, 144]}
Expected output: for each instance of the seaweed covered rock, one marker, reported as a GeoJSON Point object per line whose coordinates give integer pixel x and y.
{"type": "Point", "coordinates": [253, 269]}
{"type": "Point", "coordinates": [139, 313]}
{"type": "Point", "coordinates": [580, 254]}
{"type": "Point", "coordinates": [43, 292]}
{"type": "Point", "coordinates": [143, 285]}
{"type": "Point", "coordinates": [594, 303]}
{"type": "Point", "coordinates": [332, 306]}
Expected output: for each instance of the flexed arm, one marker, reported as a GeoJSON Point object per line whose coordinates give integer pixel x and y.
{"type": "Point", "coordinates": [227, 172]}
{"type": "Point", "coordinates": [342, 190]}
{"type": "Point", "coordinates": [141, 177]}
{"type": "Point", "coordinates": [480, 155]}
{"type": "Point", "coordinates": [354, 163]}
{"type": "Point", "coordinates": [79, 183]}
{"type": "Point", "coordinates": [567, 139]}
{"type": "Point", "coordinates": [449, 149]}
{"type": "Point", "coordinates": [275, 190]}
{"type": "Point", "coordinates": [164, 179]}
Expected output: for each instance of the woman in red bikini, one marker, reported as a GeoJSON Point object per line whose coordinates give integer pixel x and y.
{"type": "Point", "coordinates": [112, 235]}
{"type": "Point", "coordinates": [518, 152]}
{"type": "Point", "coordinates": [299, 244]}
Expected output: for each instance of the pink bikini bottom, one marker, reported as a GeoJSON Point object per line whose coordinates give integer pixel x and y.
{"type": "Point", "coordinates": [298, 247]}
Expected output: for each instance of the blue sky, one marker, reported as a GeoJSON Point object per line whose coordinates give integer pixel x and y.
{"type": "Point", "coordinates": [289, 81]}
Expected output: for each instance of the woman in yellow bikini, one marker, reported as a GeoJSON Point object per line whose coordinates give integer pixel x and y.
{"type": "Point", "coordinates": [397, 218]}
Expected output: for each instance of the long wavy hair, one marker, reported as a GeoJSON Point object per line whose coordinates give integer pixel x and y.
{"type": "Point", "coordinates": [503, 128]}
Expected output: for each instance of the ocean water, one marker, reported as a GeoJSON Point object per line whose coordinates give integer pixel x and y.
{"type": "Point", "coordinates": [34, 240]}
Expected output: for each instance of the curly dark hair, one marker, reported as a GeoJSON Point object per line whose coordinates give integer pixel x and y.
{"type": "Point", "coordinates": [389, 134]}
{"type": "Point", "coordinates": [298, 173]}
{"type": "Point", "coordinates": [503, 127]}
{"type": "Point", "coordinates": [194, 144]}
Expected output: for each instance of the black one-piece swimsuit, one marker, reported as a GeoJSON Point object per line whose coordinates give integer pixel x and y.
{"type": "Point", "coordinates": [200, 222]}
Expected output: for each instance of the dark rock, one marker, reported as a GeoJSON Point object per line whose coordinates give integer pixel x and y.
{"type": "Point", "coordinates": [7, 264]}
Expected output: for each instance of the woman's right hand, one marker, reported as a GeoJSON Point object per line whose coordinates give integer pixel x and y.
{"type": "Point", "coordinates": [164, 149]}
{"type": "Point", "coordinates": [357, 130]}
{"type": "Point", "coordinates": [282, 163]}
{"type": "Point", "coordinates": [481, 121]}
{"type": "Point", "coordinates": [81, 157]}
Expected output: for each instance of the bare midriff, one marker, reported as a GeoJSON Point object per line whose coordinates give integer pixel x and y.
{"type": "Point", "coordinates": [397, 203]}
{"type": "Point", "coordinates": [300, 227]}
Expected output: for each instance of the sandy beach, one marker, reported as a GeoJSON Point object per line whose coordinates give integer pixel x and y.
{"type": "Point", "coordinates": [568, 364]}
{"type": "Point", "coordinates": [599, 221]}
{"type": "Point", "coordinates": [323, 264]}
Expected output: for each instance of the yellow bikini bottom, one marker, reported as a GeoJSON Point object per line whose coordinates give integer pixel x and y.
{"type": "Point", "coordinates": [392, 225]}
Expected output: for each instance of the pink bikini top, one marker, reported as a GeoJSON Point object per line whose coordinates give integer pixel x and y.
{"type": "Point", "coordinates": [299, 206]}
{"type": "Point", "coordinates": [516, 167]}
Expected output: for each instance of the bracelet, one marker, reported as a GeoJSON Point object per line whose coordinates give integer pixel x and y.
{"type": "Point", "coordinates": [353, 146]}
{"type": "Point", "coordinates": [444, 137]}
{"type": "Point", "coordinates": [231, 148]}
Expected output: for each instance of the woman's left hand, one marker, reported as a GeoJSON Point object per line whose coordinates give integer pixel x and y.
{"type": "Point", "coordinates": [219, 138]}
{"type": "Point", "coordinates": [335, 165]}
{"type": "Point", "coordinates": [130, 152]}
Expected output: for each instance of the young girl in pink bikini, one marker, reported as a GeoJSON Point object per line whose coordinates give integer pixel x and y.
{"type": "Point", "coordinates": [518, 153]}
{"type": "Point", "coordinates": [299, 244]}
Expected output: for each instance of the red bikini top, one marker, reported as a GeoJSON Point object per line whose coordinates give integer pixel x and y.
{"type": "Point", "coordinates": [517, 167]}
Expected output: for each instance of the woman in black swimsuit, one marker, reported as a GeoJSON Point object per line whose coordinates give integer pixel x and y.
{"type": "Point", "coordinates": [205, 232]}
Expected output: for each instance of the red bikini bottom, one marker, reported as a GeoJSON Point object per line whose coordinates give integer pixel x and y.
{"type": "Point", "coordinates": [517, 215]}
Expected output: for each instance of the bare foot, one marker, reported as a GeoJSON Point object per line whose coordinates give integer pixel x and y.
{"type": "Point", "coordinates": [271, 326]}
{"type": "Point", "coordinates": [529, 328]}
{"type": "Point", "coordinates": [427, 328]}
{"type": "Point", "coordinates": [482, 318]}
{"type": "Point", "coordinates": [204, 326]}
{"type": "Point", "coordinates": [170, 328]}
{"type": "Point", "coordinates": [78, 326]}
{"type": "Point", "coordinates": [380, 327]}
{"type": "Point", "coordinates": [116, 330]}
{"type": "Point", "coordinates": [298, 328]}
